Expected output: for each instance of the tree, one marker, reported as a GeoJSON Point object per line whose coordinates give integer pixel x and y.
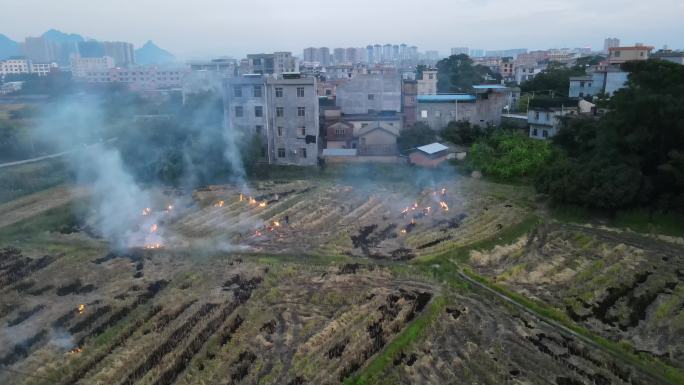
{"type": "Point", "coordinates": [419, 70]}
{"type": "Point", "coordinates": [509, 154]}
{"type": "Point", "coordinates": [457, 73]}
{"type": "Point", "coordinates": [418, 135]}
{"type": "Point", "coordinates": [461, 132]}
{"type": "Point", "coordinates": [631, 156]}
{"type": "Point", "coordinates": [554, 78]}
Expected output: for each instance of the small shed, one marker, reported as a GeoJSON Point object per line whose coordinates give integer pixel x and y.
{"type": "Point", "coordinates": [429, 155]}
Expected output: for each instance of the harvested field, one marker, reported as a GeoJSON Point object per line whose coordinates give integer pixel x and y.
{"type": "Point", "coordinates": [316, 282]}
{"type": "Point", "coordinates": [623, 286]}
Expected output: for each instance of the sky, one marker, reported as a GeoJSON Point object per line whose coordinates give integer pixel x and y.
{"type": "Point", "coordinates": [205, 28]}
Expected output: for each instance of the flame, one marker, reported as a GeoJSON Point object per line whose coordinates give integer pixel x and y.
{"type": "Point", "coordinates": [151, 246]}
{"type": "Point", "coordinates": [219, 204]}
{"type": "Point", "coordinates": [169, 207]}
{"type": "Point", "coordinates": [252, 201]}
{"type": "Point", "coordinates": [146, 211]}
{"type": "Point", "coordinates": [427, 210]}
{"type": "Point", "coordinates": [444, 205]}
{"type": "Point", "coordinates": [242, 197]}
{"type": "Point", "coordinates": [262, 204]}
{"type": "Point", "coordinates": [413, 221]}
{"type": "Point", "coordinates": [443, 191]}
{"type": "Point", "coordinates": [81, 309]}
{"type": "Point", "coordinates": [153, 228]}
{"type": "Point", "coordinates": [257, 233]}
{"type": "Point", "coordinates": [403, 231]}
{"type": "Point", "coordinates": [76, 350]}
{"type": "Point", "coordinates": [415, 206]}
{"type": "Point", "coordinates": [276, 223]}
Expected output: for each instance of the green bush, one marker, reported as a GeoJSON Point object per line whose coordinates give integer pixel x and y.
{"type": "Point", "coordinates": [509, 155]}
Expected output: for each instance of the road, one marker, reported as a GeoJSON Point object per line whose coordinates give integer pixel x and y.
{"type": "Point", "coordinates": [51, 156]}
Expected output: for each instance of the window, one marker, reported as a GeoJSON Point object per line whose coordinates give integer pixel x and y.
{"type": "Point", "coordinates": [258, 111]}
{"type": "Point", "coordinates": [280, 131]}
{"type": "Point", "coordinates": [371, 97]}
{"type": "Point", "coordinates": [581, 94]}
{"type": "Point", "coordinates": [301, 111]}
{"type": "Point", "coordinates": [263, 152]}
{"type": "Point", "coordinates": [281, 153]}
{"type": "Point", "coordinates": [391, 124]}
{"type": "Point", "coordinates": [279, 92]}
{"type": "Point", "coordinates": [536, 115]}
{"type": "Point", "coordinates": [259, 128]}
{"type": "Point", "coordinates": [581, 84]}
{"type": "Point", "coordinates": [545, 133]}
{"type": "Point", "coordinates": [431, 76]}
{"type": "Point", "coordinates": [302, 131]}
{"type": "Point", "coordinates": [364, 125]}
{"type": "Point", "coordinates": [423, 113]}
{"type": "Point", "coordinates": [257, 91]}
{"type": "Point", "coordinates": [534, 132]}
{"type": "Point", "coordinates": [339, 131]}
{"type": "Point", "coordinates": [616, 53]}
{"type": "Point", "coordinates": [328, 92]}
{"type": "Point", "coordinates": [302, 152]}
{"type": "Point", "coordinates": [279, 112]}
{"type": "Point", "coordinates": [300, 92]}
{"type": "Point", "coordinates": [238, 111]}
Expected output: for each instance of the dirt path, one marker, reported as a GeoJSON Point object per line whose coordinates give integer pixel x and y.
{"type": "Point", "coordinates": [34, 204]}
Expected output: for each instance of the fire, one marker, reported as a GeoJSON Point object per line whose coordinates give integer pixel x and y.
{"type": "Point", "coordinates": [415, 206]}
{"type": "Point", "coordinates": [153, 228]}
{"type": "Point", "coordinates": [413, 221]}
{"type": "Point", "coordinates": [151, 246]}
{"type": "Point", "coordinates": [252, 201]}
{"type": "Point", "coordinates": [169, 207]}
{"type": "Point", "coordinates": [427, 210]}
{"type": "Point", "coordinates": [219, 204]}
{"type": "Point", "coordinates": [276, 224]}
{"type": "Point", "coordinates": [76, 350]}
{"type": "Point", "coordinates": [444, 205]}
{"type": "Point", "coordinates": [242, 197]}
{"type": "Point", "coordinates": [257, 233]}
{"type": "Point", "coordinates": [81, 309]}
{"type": "Point", "coordinates": [146, 211]}
{"type": "Point", "coordinates": [403, 231]}
{"type": "Point", "coordinates": [262, 204]}
{"type": "Point", "coordinates": [443, 191]}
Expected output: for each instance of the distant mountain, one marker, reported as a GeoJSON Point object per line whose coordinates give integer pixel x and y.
{"type": "Point", "coordinates": [151, 54]}
{"type": "Point", "coordinates": [61, 37]}
{"type": "Point", "coordinates": [8, 47]}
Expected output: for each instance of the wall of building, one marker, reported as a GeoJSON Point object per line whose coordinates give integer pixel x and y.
{"type": "Point", "coordinates": [364, 93]}
{"type": "Point", "coordinates": [428, 84]}
{"type": "Point", "coordinates": [294, 129]}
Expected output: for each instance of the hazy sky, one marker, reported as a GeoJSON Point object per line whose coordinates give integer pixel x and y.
{"type": "Point", "coordinates": [226, 27]}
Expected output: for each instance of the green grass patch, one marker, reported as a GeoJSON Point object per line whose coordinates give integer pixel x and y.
{"type": "Point", "coordinates": [50, 220]}
{"type": "Point", "coordinates": [638, 220]}
{"type": "Point", "coordinates": [371, 373]}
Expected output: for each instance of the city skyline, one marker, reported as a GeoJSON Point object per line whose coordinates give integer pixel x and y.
{"type": "Point", "coordinates": [207, 30]}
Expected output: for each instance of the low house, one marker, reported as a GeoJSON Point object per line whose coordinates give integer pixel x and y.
{"type": "Point", "coordinates": [338, 155]}
{"type": "Point", "coordinates": [483, 107]}
{"type": "Point", "coordinates": [544, 115]}
{"type": "Point", "coordinates": [600, 79]}
{"type": "Point", "coordinates": [378, 141]}
{"type": "Point", "coordinates": [430, 155]}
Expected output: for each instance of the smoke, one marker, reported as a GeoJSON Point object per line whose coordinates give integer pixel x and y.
{"type": "Point", "coordinates": [118, 201]}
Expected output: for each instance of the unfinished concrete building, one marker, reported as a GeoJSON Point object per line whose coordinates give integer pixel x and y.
{"type": "Point", "coordinates": [282, 112]}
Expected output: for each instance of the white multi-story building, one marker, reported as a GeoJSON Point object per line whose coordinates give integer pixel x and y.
{"type": "Point", "coordinates": [15, 65]}
{"type": "Point", "coordinates": [460, 51]}
{"type": "Point", "coordinates": [83, 67]}
{"type": "Point", "coordinates": [139, 78]}
{"type": "Point", "coordinates": [23, 65]}
{"type": "Point", "coordinates": [43, 69]}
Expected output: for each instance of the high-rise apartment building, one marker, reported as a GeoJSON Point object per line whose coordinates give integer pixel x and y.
{"type": "Point", "coordinates": [610, 42]}
{"type": "Point", "coordinates": [460, 51]}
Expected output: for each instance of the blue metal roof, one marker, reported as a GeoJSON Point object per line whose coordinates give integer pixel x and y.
{"type": "Point", "coordinates": [489, 86]}
{"type": "Point", "coordinates": [447, 98]}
